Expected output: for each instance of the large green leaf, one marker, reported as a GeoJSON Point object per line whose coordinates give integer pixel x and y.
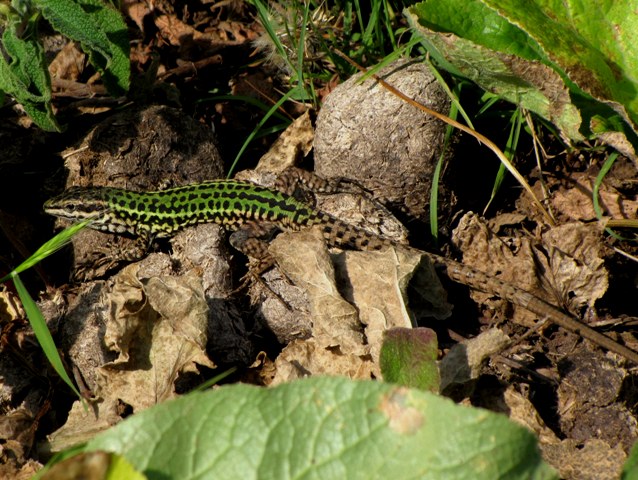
{"type": "Point", "coordinates": [571, 62]}
{"type": "Point", "coordinates": [100, 30]}
{"type": "Point", "coordinates": [24, 74]}
{"type": "Point", "coordinates": [593, 42]}
{"type": "Point", "coordinates": [323, 428]}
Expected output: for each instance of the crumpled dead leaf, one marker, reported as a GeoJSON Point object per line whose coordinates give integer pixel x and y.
{"type": "Point", "coordinates": [68, 64]}
{"type": "Point", "coordinates": [508, 259]}
{"type": "Point", "coordinates": [576, 201]}
{"type": "Point", "coordinates": [157, 328]}
{"type": "Point", "coordinates": [291, 146]}
{"type": "Point", "coordinates": [166, 317]}
{"type": "Point", "coordinates": [349, 308]}
{"type": "Point", "coordinates": [566, 270]}
{"type": "Point", "coordinates": [574, 263]}
{"type": "Point", "coordinates": [464, 362]}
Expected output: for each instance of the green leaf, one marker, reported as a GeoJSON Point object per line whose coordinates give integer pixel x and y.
{"type": "Point", "coordinates": [592, 41]}
{"type": "Point", "coordinates": [630, 469]}
{"type": "Point", "coordinates": [408, 357]}
{"type": "Point", "coordinates": [100, 30]}
{"type": "Point", "coordinates": [24, 74]}
{"type": "Point", "coordinates": [95, 465]}
{"type": "Point", "coordinates": [473, 52]}
{"type": "Point", "coordinates": [323, 428]}
{"type": "Point", "coordinates": [574, 63]}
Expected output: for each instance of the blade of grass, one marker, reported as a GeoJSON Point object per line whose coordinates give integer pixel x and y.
{"type": "Point", "coordinates": [596, 193]}
{"type": "Point", "coordinates": [42, 333]}
{"type": "Point", "coordinates": [246, 99]}
{"type": "Point", "coordinates": [215, 380]}
{"type": "Point", "coordinates": [516, 122]}
{"type": "Point", "coordinates": [453, 96]}
{"type": "Point", "coordinates": [36, 319]}
{"type": "Point", "coordinates": [256, 130]}
{"type": "Point", "coordinates": [301, 47]}
{"type": "Point", "coordinates": [48, 248]}
{"type": "Point", "coordinates": [436, 178]}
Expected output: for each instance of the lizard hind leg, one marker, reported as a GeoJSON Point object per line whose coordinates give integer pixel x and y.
{"type": "Point", "coordinates": [252, 241]}
{"type": "Point", "coordinates": [246, 241]}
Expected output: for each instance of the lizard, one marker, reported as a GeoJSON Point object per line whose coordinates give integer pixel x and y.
{"type": "Point", "coordinates": [253, 212]}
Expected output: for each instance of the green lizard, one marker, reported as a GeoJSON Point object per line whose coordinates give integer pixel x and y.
{"type": "Point", "coordinates": [253, 212]}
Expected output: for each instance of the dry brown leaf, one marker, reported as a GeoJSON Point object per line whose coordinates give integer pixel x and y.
{"type": "Point", "coordinates": [378, 283]}
{"type": "Point", "coordinates": [166, 317]}
{"type": "Point", "coordinates": [521, 410]}
{"type": "Point", "coordinates": [307, 263]}
{"type": "Point", "coordinates": [82, 425]}
{"type": "Point", "coordinates": [576, 202]}
{"type": "Point", "coordinates": [175, 31]}
{"type": "Point", "coordinates": [68, 64]}
{"type": "Point", "coordinates": [574, 264]}
{"type": "Point", "coordinates": [302, 358]}
{"type": "Point", "coordinates": [291, 146]}
{"type": "Point", "coordinates": [96, 465]}
{"type": "Point", "coordinates": [136, 11]}
{"type": "Point", "coordinates": [10, 307]}
{"type": "Point", "coordinates": [180, 34]}
{"type": "Point", "coordinates": [350, 312]}
{"type": "Point", "coordinates": [510, 260]}
{"type": "Point", "coordinates": [17, 431]}
{"type": "Point", "coordinates": [566, 270]}
{"type": "Point", "coordinates": [464, 362]}
{"type": "Point", "coordinates": [157, 327]}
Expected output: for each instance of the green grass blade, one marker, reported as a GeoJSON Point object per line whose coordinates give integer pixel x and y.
{"type": "Point", "coordinates": [256, 130]}
{"type": "Point", "coordinates": [454, 97]}
{"type": "Point", "coordinates": [516, 123]}
{"type": "Point", "coordinates": [596, 189]}
{"type": "Point", "coordinates": [41, 331]}
{"type": "Point", "coordinates": [436, 177]}
{"type": "Point", "coordinates": [215, 380]}
{"type": "Point", "coordinates": [48, 248]}
{"type": "Point", "coordinates": [255, 102]}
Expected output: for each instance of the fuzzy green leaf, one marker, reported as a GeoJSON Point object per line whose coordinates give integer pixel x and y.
{"type": "Point", "coordinates": [100, 30]}
{"type": "Point", "coordinates": [408, 358]}
{"type": "Point", "coordinates": [24, 74]}
{"type": "Point", "coordinates": [573, 63]}
{"type": "Point", "coordinates": [323, 428]}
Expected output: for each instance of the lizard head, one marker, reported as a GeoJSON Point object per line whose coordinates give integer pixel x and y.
{"type": "Point", "coordinates": [78, 203]}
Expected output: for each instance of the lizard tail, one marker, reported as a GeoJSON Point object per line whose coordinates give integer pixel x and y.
{"type": "Point", "coordinates": [344, 235]}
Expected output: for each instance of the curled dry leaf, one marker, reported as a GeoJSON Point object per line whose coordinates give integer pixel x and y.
{"type": "Point", "coordinates": [350, 309]}
{"type": "Point", "coordinates": [68, 64]}
{"type": "Point", "coordinates": [510, 260]}
{"type": "Point", "coordinates": [573, 261]}
{"type": "Point", "coordinates": [167, 318]}
{"type": "Point", "coordinates": [464, 362]}
{"type": "Point", "coordinates": [292, 145]}
{"type": "Point", "coordinates": [157, 327]}
{"type": "Point", "coordinates": [566, 270]}
{"type": "Point", "coordinates": [576, 203]}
